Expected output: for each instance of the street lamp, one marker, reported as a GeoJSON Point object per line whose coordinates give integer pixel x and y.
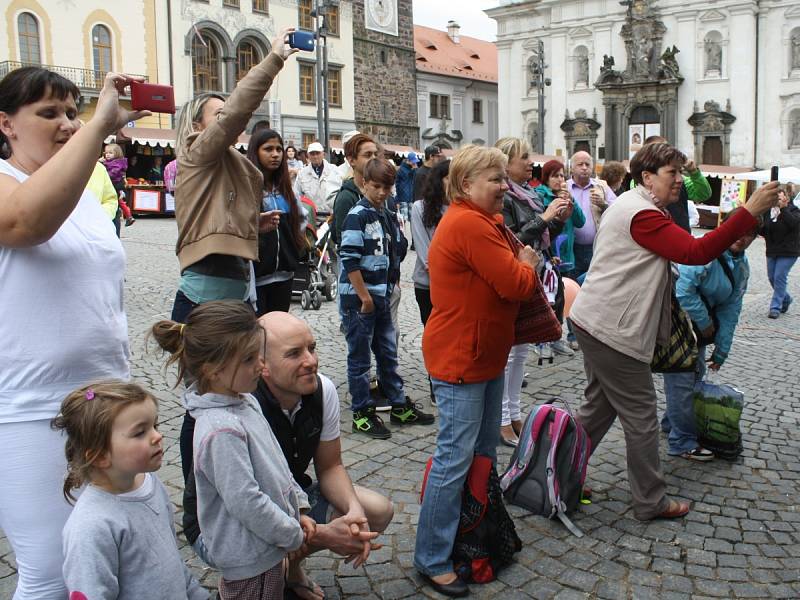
{"type": "Point", "coordinates": [539, 81]}
{"type": "Point", "coordinates": [320, 15]}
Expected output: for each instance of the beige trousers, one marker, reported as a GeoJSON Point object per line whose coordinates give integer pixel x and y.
{"type": "Point", "coordinates": [620, 386]}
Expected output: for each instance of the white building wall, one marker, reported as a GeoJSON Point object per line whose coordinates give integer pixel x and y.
{"type": "Point", "coordinates": [461, 92]}
{"type": "Point", "coordinates": [596, 24]}
{"type": "Point", "coordinates": [296, 117]}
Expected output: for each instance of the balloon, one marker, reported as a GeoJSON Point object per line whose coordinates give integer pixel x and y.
{"type": "Point", "coordinates": [571, 289]}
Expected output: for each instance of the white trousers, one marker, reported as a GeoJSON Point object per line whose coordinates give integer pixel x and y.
{"type": "Point", "coordinates": [515, 371]}
{"type": "Point", "coordinates": [32, 507]}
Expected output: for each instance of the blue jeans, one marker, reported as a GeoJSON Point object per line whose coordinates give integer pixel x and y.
{"type": "Point", "coordinates": [469, 424]}
{"type": "Point", "coordinates": [372, 331]}
{"type": "Point", "coordinates": [778, 268]}
{"type": "Point", "coordinates": [679, 418]}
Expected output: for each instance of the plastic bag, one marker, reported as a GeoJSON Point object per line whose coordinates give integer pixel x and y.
{"type": "Point", "coordinates": [718, 410]}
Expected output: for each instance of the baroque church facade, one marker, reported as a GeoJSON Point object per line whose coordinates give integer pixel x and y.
{"type": "Point", "coordinates": [720, 79]}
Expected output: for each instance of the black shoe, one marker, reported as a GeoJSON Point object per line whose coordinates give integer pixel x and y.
{"type": "Point", "coordinates": [410, 414]}
{"type": "Point", "coordinates": [785, 306]}
{"type": "Point", "coordinates": [454, 589]}
{"type": "Point", "coordinates": [379, 399]}
{"type": "Point", "coordinates": [367, 422]}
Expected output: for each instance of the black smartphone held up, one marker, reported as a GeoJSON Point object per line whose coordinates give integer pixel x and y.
{"type": "Point", "coordinates": [302, 40]}
{"type": "Point", "coordinates": [773, 173]}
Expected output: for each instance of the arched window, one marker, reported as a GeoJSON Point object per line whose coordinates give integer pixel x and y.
{"type": "Point", "coordinates": [205, 63]}
{"type": "Point", "coordinates": [712, 51]}
{"type": "Point", "coordinates": [28, 27]}
{"type": "Point", "coordinates": [581, 67]}
{"type": "Point", "coordinates": [101, 48]}
{"type": "Point", "coordinates": [247, 56]}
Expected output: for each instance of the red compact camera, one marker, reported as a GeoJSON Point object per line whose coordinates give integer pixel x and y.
{"type": "Point", "coordinates": [153, 97]}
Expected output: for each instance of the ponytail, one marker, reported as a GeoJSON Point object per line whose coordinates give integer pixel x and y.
{"type": "Point", "coordinates": [215, 333]}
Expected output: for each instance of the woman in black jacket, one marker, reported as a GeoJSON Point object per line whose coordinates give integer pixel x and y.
{"type": "Point", "coordinates": [781, 231]}
{"type": "Point", "coordinates": [535, 226]}
{"type": "Point", "coordinates": [279, 250]}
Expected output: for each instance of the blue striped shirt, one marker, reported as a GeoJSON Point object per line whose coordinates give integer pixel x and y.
{"type": "Point", "coordinates": [370, 243]}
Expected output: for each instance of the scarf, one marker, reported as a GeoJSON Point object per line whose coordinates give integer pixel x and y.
{"type": "Point", "coordinates": [528, 196]}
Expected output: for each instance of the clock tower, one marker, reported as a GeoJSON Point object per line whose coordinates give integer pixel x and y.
{"type": "Point", "coordinates": [384, 71]}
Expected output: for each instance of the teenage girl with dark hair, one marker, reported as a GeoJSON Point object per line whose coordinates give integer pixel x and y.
{"type": "Point", "coordinates": [278, 250]}
{"type": "Point", "coordinates": [425, 216]}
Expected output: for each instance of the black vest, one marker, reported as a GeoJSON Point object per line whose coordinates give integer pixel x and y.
{"type": "Point", "coordinates": [680, 210]}
{"type": "Point", "coordinates": [299, 442]}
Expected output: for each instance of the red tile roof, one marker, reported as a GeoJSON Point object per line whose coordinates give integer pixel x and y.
{"type": "Point", "coordinates": [471, 58]}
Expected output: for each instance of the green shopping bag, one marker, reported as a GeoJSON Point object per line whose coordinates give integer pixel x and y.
{"type": "Point", "coordinates": [718, 410]}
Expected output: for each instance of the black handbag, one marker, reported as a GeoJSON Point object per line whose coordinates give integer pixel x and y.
{"type": "Point", "coordinates": [679, 354]}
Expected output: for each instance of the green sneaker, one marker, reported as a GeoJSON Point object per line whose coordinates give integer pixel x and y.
{"type": "Point", "coordinates": [367, 422]}
{"type": "Point", "coordinates": [410, 414]}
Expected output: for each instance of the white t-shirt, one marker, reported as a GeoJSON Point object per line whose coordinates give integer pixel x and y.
{"type": "Point", "coordinates": [63, 323]}
{"type": "Point", "coordinates": [330, 411]}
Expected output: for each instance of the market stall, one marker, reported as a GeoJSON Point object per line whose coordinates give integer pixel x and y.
{"type": "Point", "coordinates": [149, 151]}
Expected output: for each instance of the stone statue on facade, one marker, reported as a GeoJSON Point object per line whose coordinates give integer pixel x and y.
{"type": "Point", "coordinates": [642, 49]}
{"type": "Point", "coordinates": [713, 56]}
{"type": "Point", "coordinates": [607, 72]}
{"type": "Point", "coordinates": [583, 70]}
{"type": "Point", "coordinates": [794, 136]}
{"type": "Point", "coordinates": [796, 50]}
{"type": "Point", "coordinates": [668, 67]}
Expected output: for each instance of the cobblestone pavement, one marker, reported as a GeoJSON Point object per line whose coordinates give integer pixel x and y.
{"type": "Point", "coordinates": [741, 540]}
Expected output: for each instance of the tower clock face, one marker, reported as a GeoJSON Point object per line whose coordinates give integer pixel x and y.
{"type": "Point", "coordinates": [381, 15]}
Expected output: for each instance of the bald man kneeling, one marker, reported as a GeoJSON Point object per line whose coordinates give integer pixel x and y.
{"type": "Point", "coordinates": [302, 407]}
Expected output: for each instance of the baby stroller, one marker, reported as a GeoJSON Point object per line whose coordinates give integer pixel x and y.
{"type": "Point", "coordinates": [315, 275]}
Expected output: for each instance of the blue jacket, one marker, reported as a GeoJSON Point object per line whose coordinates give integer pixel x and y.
{"type": "Point", "coordinates": [711, 282]}
{"type": "Point", "coordinates": [404, 184]}
{"type": "Point", "coordinates": [578, 219]}
{"type": "Point", "coordinates": [373, 244]}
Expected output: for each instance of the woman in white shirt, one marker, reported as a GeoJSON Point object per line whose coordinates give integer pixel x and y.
{"type": "Point", "coordinates": [63, 321]}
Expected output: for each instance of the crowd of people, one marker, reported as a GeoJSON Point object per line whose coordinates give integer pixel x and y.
{"type": "Point", "coordinates": [80, 503]}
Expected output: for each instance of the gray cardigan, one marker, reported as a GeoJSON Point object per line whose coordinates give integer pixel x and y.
{"type": "Point", "coordinates": [248, 502]}
{"type": "Point", "coordinates": [422, 237]}
{"type": "Point", "coordinates": [124, 548]}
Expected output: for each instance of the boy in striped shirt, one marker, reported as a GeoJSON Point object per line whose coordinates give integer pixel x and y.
{"type": "Point", "coordinates": [372, 244]}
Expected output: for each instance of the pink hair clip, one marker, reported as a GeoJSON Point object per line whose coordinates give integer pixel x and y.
{"type": "Point", "coordinates": [90, 394]}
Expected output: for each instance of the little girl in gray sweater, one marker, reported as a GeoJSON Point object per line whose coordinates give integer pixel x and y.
{"type": "Point", "coordinates": [119, 541]}
{"type": "Point", "coordinates": [248, 502]}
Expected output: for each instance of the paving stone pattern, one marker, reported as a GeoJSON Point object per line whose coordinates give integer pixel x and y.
{"type": "Point", "coordinates": [741, 540]}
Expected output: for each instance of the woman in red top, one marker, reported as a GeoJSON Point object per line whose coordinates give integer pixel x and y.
{"type": "Point", "coordinates": [623, 310]}
{"type": "Point", "coordinates": [477, 282]}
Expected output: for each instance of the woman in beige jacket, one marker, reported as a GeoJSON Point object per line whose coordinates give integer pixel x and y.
{"type": "Point", "coordinates": [623, 308]}
{"type": "Point", "coordinates": [218, 191]}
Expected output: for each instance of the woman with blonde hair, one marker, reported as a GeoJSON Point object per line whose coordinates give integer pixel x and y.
{"type": "Point", "coordinates": [218, 191]}
{"type": "Point", "coordinates": [535, 225]}
{"type": "Point", "coordinates": [477, 282]}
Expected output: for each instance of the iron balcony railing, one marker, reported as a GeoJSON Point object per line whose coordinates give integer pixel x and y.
{"type": "Point", "coordinates": [85, 79]}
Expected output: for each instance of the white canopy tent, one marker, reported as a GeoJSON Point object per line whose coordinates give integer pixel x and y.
{"type": "Point", "coordinates": [785, 175]}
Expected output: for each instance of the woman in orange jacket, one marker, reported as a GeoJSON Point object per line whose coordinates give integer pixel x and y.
{"type": "Point", "coordinates": [477, 283]}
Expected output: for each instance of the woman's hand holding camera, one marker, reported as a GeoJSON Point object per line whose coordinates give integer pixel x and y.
{"type": "Point", "coordinates": [280, 45]}
{"type": "Point", "coordinates": [528, 256]}
{"type": "Point", "coordinates": [109, 115]}
{"type": "Point", "coordinates": [763, 199]}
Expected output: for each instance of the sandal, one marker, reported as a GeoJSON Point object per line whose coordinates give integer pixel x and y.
{"type": "Point", "coordinates": [674, 510]}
